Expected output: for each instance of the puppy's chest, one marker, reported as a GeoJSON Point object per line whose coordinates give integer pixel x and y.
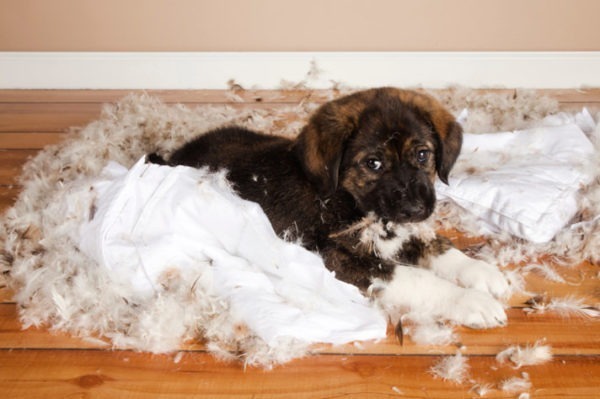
{"type": "Point", "coordinates": [390, 242]}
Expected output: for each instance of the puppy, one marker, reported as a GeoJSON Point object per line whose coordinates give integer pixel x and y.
{"type": "Point", "coordinates": [354, 186]}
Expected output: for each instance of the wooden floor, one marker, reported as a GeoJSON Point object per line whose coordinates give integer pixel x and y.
{"type": "Point", "coordinates": [37, 364]}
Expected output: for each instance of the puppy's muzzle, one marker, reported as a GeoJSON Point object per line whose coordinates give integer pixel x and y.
{"type": "Point", "coordinates": [408, 203]}
{"type": "Point", "coordinates": [413, 212]}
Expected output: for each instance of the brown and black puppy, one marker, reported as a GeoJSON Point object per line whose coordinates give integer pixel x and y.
{"type": "Point", "coordinates": [353, 186]}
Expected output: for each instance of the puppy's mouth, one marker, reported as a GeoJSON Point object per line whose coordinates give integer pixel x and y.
{"type": "Point", "coordinates": [398, 206]}
{"type": "Point", "coordinates": [405, 211]}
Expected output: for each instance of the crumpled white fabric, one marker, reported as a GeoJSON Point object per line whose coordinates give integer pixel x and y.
{"type": "Point", "coordinates": [524, 182]}
{"type": "Point", "coordinates": [152, 218]}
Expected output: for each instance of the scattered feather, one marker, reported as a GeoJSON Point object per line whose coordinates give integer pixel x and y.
{"type": "Point", "coordinates": [63, 307]}
{"type": "Point", "coordinates": [545, 271]}
{"type": "Point", "coordinates": [516, 282]}
{"type": "Point", "coordinates": [516, 384]}
{"type": "Point", "coordinates": [177, 358]}
{"type": "Point", "coordinates": [358, 345]}
{"type": "Point", "coordinates": [431, 333]}
{"type": "Point", "coordinates": [397, 390]}
{"type": "Point", "coordinates": [95, 341]}
{"type": "Point", "coordinates": [529, 355]}
{"type": "Point", "coordinates": [451, 368]}
{"type": "Point", "coordinates": [232, 96]}
{"type": "Point", "coordinates": [482, 390]}
{"type": "Point", "coordinates": [565, 307]}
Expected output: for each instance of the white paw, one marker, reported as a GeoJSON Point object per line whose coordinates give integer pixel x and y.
{"type": "Point", "coordinates": [421, 292]}
{"type": "Point", "coordinates": [471, 273]}
{"type": "Point", "coordinates": [475, 309]}
{"type": "Point", "coordinates": [484, 277]}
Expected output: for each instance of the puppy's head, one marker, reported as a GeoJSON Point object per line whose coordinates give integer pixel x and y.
{"type": "Point", "coordinates": [384, 146]}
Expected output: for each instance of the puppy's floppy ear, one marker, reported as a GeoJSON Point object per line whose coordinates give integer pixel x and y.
{"type": "Point", "coordinates": [449, 149]}
{"type": "Point", "coordinates": [321, 143]}
{"type": "Point", "coordinates": [448, 131]}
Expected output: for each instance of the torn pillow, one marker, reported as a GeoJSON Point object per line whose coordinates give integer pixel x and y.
{"type": "Point", "coordinates": [523, 182]}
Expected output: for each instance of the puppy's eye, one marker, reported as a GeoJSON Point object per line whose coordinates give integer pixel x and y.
{"type": "Point", "coordinates": [374, 164]}
{"type": "Point", "coordinates": [423, 156]}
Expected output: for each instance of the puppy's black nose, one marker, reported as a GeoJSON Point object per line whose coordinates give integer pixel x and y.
{"type": "Point", "coordinates": [413, 212]}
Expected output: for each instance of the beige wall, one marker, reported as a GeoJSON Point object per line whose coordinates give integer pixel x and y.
{"type": "Point", "coordinates": [299, 25]}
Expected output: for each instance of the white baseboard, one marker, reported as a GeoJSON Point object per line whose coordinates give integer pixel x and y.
{"type": "Point", "coordinates": [266, 70]}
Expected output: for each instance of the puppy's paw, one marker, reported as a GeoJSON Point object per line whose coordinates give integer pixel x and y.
{"type": "Point", "coordinates": [467, 272]}
{"type": "Point", "coordinates": [484, 277]}
{"type": "Point", "coordinates": [421, 292]}
{"type": "Point", "coordinates": [475, 309]}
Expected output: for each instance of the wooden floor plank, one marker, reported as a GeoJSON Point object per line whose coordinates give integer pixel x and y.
{"type": "Point", "coordinates": [569, 336]}
{"type": "Point", "coordinates": [8, 195]}
{"type": "Point", "coordinates": [584, 95]}
{"type": "Point", "coordinates": [30, 140]}
{"type": "Point", "coordinates": [102, 374]}
{"type": "Point", "coordinates": [59, 117]}
{"type": "Point", "coordinates": [579, 281]}
{"type": "Point", "coordinates": [37, 125]}
{"type": "Point", "coordinates": [588, 95]}
{"type": "Point", "coordinates": [51, 117]}
{"type": "Point", "coordinates": [12, 162]}
{"type": "Point", "coordinates": [167, 96]}
{"type": "Point", "coordinates": [13, 336]}
{"type": "Point", "coordinates": [575, 107]}
{"type": "Point", "coordinates": [6, 295]}
{"type": "Point", "coordinates": [573, 336]}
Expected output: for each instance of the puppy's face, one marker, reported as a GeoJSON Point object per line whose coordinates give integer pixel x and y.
{"type": "Point", "coordinates": [388, 165]}
{"type": "Point", "coordinates": [384, 147]}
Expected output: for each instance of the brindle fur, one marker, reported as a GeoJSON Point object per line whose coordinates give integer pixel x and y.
{"type": "Point", "coordinates": [324, 181]}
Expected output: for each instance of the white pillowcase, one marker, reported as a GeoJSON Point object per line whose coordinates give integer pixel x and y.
{"type": "Point", "coordinates": [524, 182]}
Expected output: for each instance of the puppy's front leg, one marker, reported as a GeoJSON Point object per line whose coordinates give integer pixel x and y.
{"type": "Point", "coordinates": [421, 291]}
{"type": "Point", "coordinates": [432, 287]}
{"type": "Point", "coordinates": [453, 265]}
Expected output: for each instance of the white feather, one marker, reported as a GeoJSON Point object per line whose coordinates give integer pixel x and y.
{"type": "Point", "coordinates": [397, 390]}
{"type": "Point", "coordinates": [426, 331]}
{"type": "Point", "coordinates": [545, 271]}
{"type": "Point", "coordinates": [529, 355]}
{"type": "Point", "coordinates": [572, 305]}
{"type": "Point", "coordinates": [482, 389]}
{"type": "Point", "coordinates": [565, 307]}
{"type": "Point", "coordinates": [516, 384]}
{"type": "Point", "coordinates": [178, 356]}
{"type": "Point", "coordinates": [451, 368]}
{"type": "Point", "coordinates": [516, 281]}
